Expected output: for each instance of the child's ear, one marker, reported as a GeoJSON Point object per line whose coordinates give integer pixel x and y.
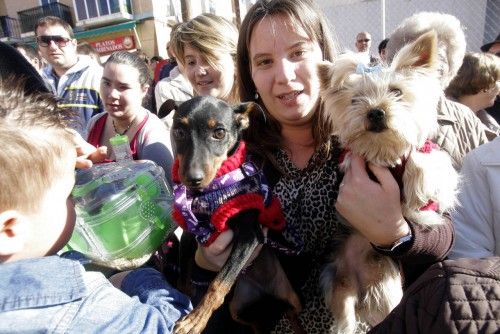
{"type": "Point", "coordinates": [13, 232]}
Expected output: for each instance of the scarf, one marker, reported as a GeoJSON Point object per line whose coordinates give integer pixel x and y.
{"type": "Point", "coordinates": [238, 186]}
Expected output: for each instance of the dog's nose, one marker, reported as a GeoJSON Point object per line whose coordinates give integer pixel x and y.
{"type": "Point", "coordinates": [376, 117]}
{"type": "Point", "coordinates": [194, 179]}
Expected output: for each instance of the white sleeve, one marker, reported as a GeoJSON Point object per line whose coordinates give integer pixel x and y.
{"type": "Point", "coordinates": [473, 217]}
{"type": "Point", "coordinates": [154, 144]}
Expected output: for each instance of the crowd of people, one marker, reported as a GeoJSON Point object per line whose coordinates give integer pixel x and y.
{"type": "Point", "coordinates": [59, 110]}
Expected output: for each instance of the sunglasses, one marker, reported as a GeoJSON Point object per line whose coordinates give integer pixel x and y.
{"type": "Point", "coordinates": [59, 40]}
{"type": "Point", "coordinates": [363, 40]}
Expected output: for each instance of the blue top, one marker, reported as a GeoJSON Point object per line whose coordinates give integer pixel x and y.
{"type": "Point", "coordinates": [78, 89]}
{"type": "Point", "coordinates": [56, 295]}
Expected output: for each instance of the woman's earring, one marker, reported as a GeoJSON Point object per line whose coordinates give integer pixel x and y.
{"type": "Point", "coordinates": [256, 96]}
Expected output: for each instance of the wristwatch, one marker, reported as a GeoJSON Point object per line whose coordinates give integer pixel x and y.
{"type": "Point", "coordinates": [398, 244]}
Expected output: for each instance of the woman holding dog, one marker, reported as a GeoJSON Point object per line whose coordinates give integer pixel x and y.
{"type": "Point", "coordinates": [280, 45]}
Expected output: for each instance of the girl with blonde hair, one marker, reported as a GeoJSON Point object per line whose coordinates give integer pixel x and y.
{"type": "Point", "coordinates": [206, 47]}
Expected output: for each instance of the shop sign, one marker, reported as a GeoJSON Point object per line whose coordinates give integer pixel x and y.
{"type": "Point", "coordinates": [115, 44]}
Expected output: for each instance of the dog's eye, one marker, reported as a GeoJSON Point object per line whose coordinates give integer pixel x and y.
{"type": "Point", "coordinates": [219, 134]}
{"type": "Point", "coordinates": [396, 91]}
{"type": "Point", "coordinates": [354, 100]}
{"type": "Point", "coordinates": [179, 134]}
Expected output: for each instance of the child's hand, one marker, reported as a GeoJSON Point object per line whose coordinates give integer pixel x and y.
{"type": "Point", "coordinates": [373, 208]}
{"type": "Point", "coordinates": [86, 153]}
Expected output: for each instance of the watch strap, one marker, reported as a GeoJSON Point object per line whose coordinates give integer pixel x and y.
{"type": "Point", "coordinates": [397, 244]}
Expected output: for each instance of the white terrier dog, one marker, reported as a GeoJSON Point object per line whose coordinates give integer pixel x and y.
{"type": "Point", "coordinates": [387, 116]}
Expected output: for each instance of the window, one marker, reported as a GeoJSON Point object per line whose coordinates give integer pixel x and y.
{"type": "Point", "coordinates": [46, 2]}
{"type": "Point", "coordinates": [86, 9]}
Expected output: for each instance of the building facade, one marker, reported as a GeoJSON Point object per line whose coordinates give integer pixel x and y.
{"type": "Point", "coordinates": [112, 25]}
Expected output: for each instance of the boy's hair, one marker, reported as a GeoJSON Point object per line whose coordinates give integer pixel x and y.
{"type": "Point", "coordinates": [36, 141]}
{"type": "Point", "coordinates": [479, 71]}
{"type": "Point", "coordinates": [48, 21]}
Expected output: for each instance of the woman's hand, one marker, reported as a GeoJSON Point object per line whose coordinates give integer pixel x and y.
{"type": "Point", "coordinates": [87, 154]}
{"type": "Point", "coordinates": [373, 208]}
{"type": "Point", "coordinates": [216, 254]}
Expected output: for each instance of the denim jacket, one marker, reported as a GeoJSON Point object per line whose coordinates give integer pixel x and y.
{"type": "Point", "coordinates": [56, 295]}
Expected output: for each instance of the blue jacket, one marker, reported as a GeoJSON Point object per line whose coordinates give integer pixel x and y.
{"type": "Point", "coordinates": [56, 295]}
{"type": "Point", "coordinates": [78, 89]}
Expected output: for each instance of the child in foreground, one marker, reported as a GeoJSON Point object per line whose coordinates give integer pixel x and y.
{"type": "Point", "coordinates": [40, 291]}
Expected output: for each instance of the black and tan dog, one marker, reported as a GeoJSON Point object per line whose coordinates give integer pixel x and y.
{"type": "Point", "coordinates": [216, 189]}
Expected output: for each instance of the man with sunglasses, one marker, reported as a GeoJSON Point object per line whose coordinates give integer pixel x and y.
{"type": "Point", "coordinates": [74, 78]}
{"type": "Point", "coordinates": [363, 44]}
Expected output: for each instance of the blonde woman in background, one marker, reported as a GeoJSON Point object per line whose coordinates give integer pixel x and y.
{"type": "Point", "coordinates": [477, 85]}
{"type": "Point", "coordinates": [206, 47]}
{"type": "Point", "coordinates": [174, 88]}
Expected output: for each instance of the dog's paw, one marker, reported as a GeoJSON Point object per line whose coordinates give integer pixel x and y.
{"type": "Point", "coordinates": [193, 323]}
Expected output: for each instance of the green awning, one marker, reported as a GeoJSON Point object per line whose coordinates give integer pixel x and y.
{"type": "Point", "coordinates": [105, 30]}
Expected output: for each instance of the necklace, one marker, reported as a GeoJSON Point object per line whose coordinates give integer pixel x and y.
{"type": "Point", "coordinates": [124, 131]}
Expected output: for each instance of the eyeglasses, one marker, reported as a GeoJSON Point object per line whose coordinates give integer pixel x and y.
{"type": "Point", "coordinates": [366, 40]}
{"type": "Point", "coordinates": [59, 40]}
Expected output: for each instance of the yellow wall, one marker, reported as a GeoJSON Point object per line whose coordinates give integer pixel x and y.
{"type": "Point", "coordinates": [11, 7]}
{"type": "Point", "coordinates": [14, 6]}
{"type": "Point", "coordinates": [3, 8]}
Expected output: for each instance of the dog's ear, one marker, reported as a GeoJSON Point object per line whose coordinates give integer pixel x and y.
{"type": "Point", "coordinates": [333, 75]}
{"type": "Point", "coordinates": [167, 107]}
{"type": "Point", "coordinates": [325, 74]}
{"type": "Point", "coordinates": [420, 53]}
{"type": "Point", "coordinates": [242, 113]}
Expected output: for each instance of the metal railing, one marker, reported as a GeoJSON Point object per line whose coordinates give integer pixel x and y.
{"type": "Point", "coordinates": [30, 16]}
{"type": "Point", "coordinates": [9, 27]}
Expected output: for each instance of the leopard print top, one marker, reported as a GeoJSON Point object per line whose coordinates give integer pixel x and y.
{"type": "Point", "coordinates": [308, 197]}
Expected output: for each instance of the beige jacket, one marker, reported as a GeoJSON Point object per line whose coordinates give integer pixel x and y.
{"type": "Point", "coordinates": [460, 131]}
